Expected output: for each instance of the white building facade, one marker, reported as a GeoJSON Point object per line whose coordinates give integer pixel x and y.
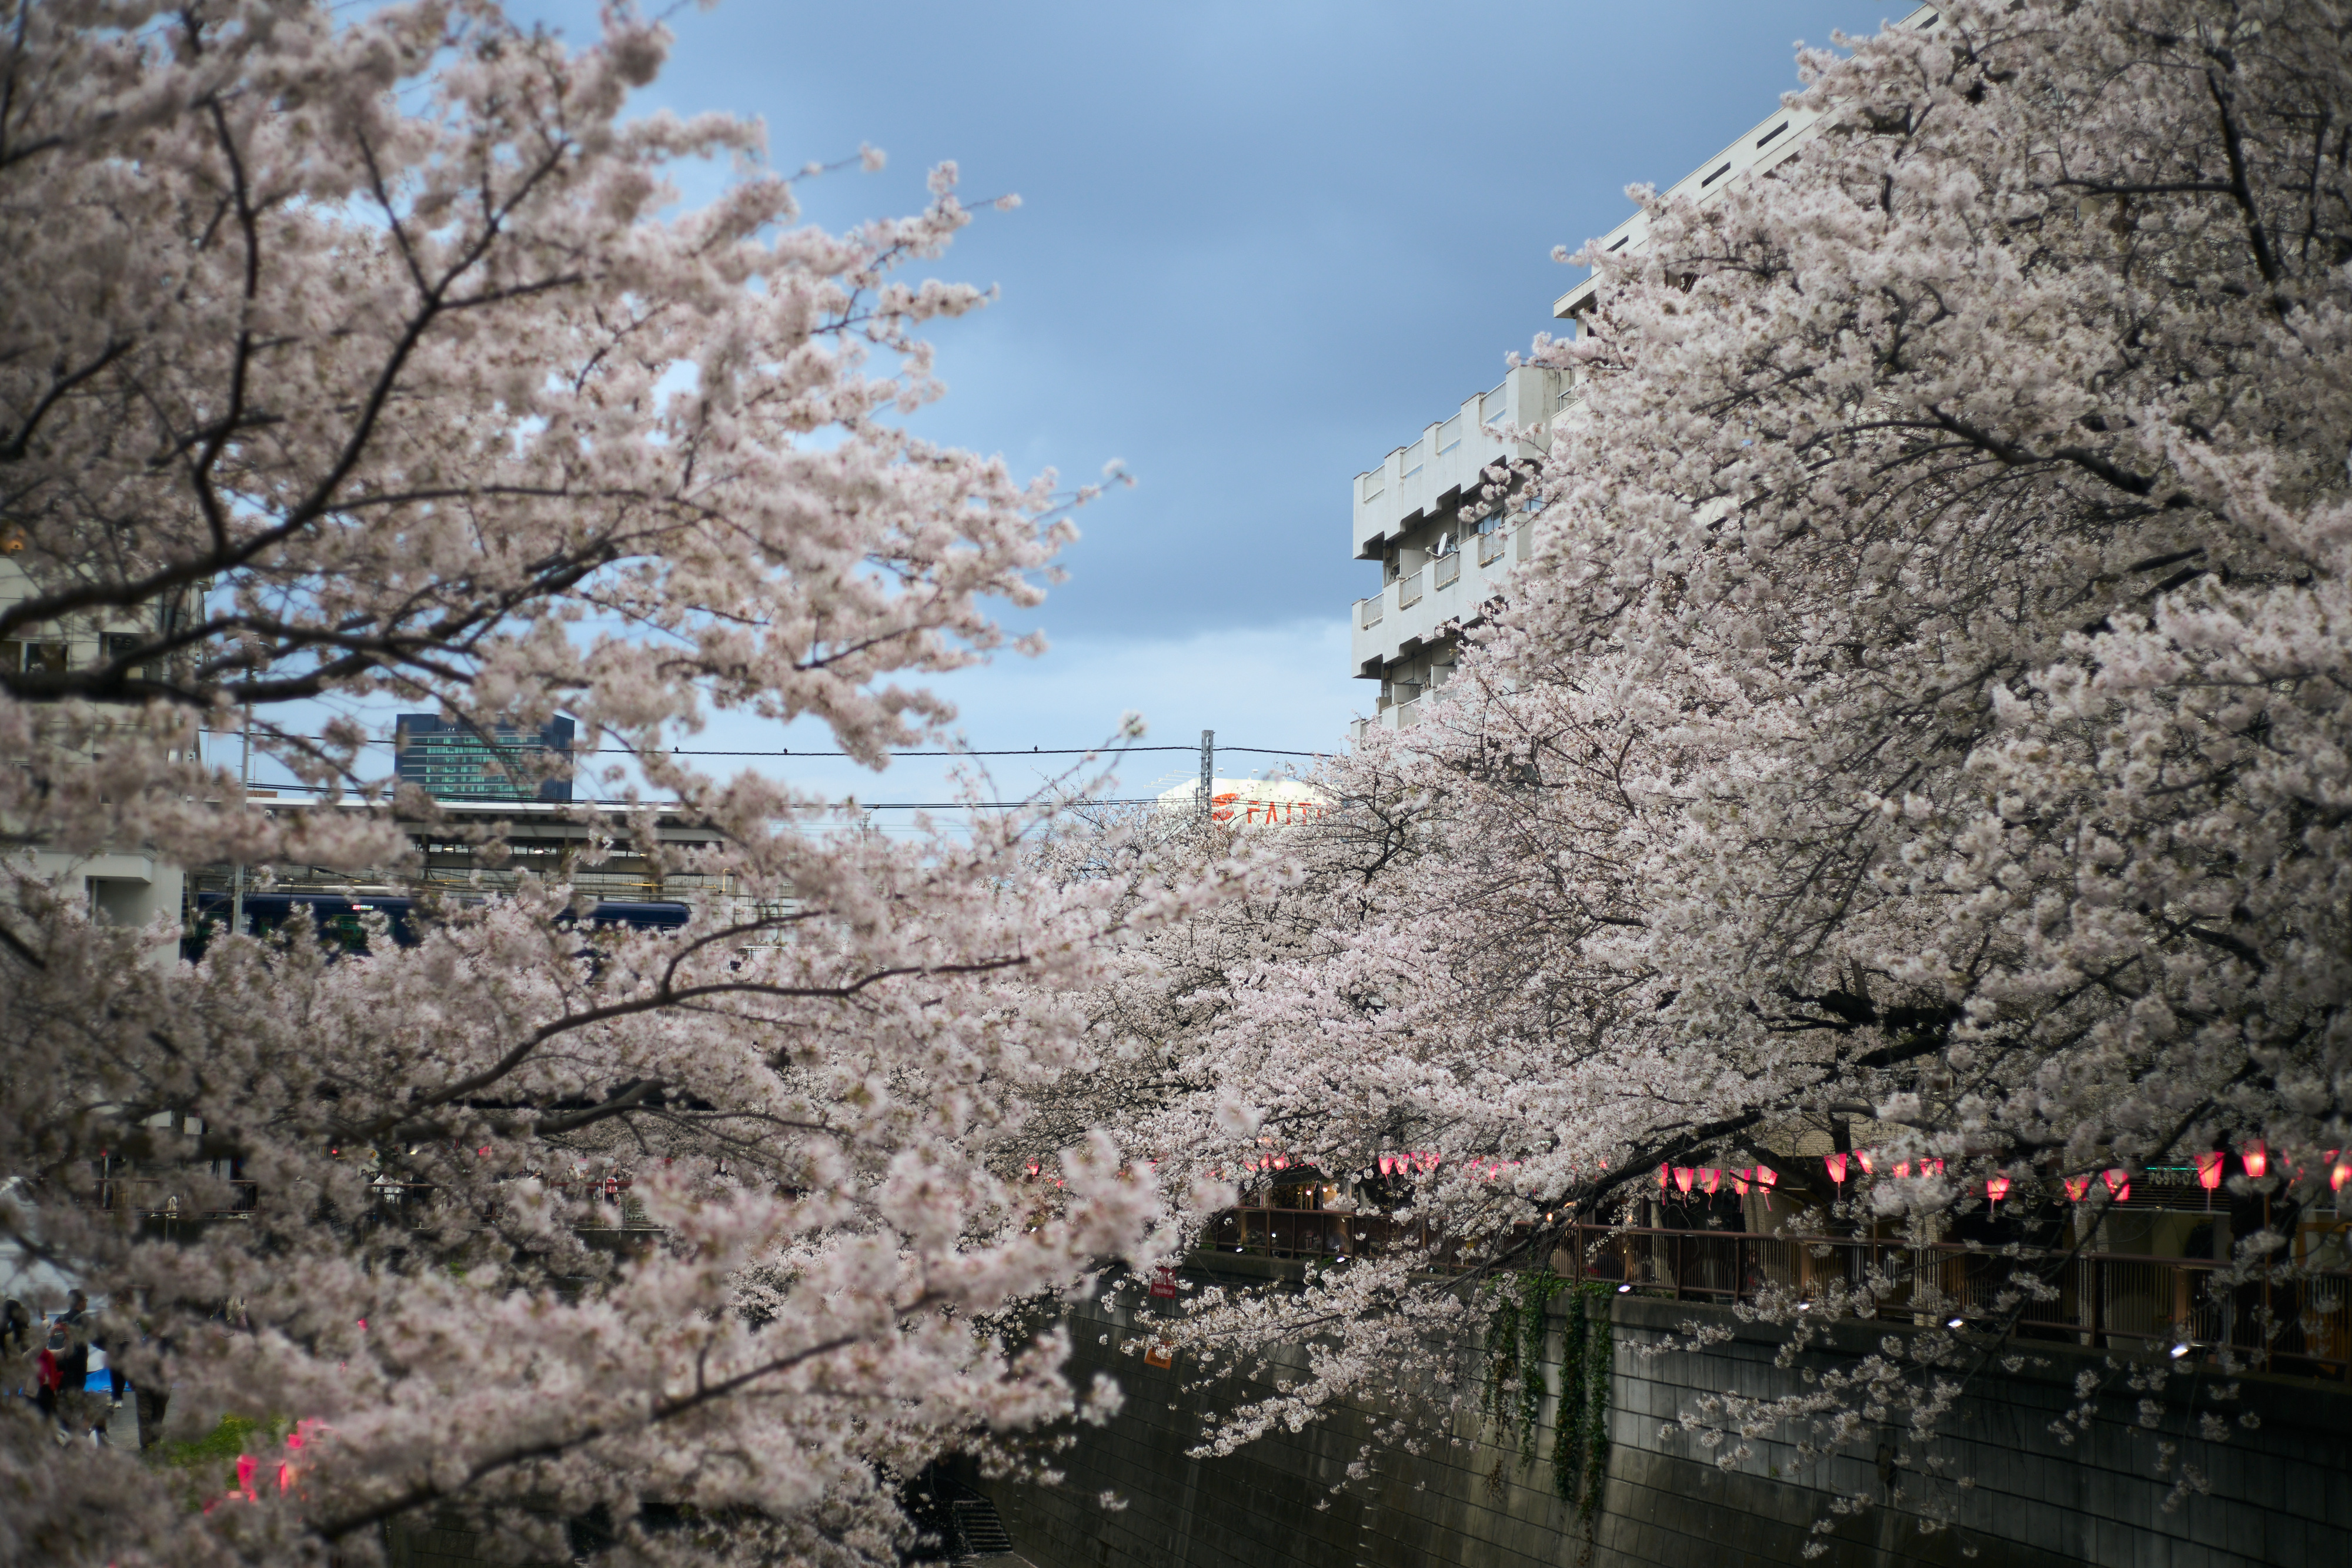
{"type": "Point", "coordinates": [1446, 551]}
{"type": "Point", "coordinates": [123, 884]}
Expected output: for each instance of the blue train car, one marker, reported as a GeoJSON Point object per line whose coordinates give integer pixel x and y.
{"type": "Point", "coordinates": [341, 918]}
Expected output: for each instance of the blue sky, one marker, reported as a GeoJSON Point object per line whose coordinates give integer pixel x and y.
{"type": "Point", "coordinates": [1259, 245]}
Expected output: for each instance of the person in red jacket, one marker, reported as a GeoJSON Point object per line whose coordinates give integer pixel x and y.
{"type": "Point", "coordinates": [49, 1378]}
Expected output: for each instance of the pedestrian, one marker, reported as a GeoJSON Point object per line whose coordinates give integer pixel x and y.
{"type": "Point", "coordinates": [152, 1403]}
{"type": "Point", "coordinates": [103, 1340]}
{"type": "Point", "coordinates": [16, 1344]}
{"type": "Point", "coordinates": [74, 1402]}
{"type": "Point", "coordinates": [48, 1380]}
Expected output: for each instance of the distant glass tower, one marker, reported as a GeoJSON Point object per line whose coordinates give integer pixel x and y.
{"type": "Point", "coordinates": [449, 762]}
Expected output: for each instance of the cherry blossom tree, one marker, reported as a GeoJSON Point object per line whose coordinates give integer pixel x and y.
{"type": "Point", "coordinates": [1922, 714]}
{"type": "Point", "coordinates": [355, 359]}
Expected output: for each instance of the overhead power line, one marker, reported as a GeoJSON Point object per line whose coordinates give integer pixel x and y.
{"type": "Point", "coordinates": [525, 744]}
{"type": "Point", "coordinates": [266, 792]}
{"type": "Point", "coordinates": [1033, 751]}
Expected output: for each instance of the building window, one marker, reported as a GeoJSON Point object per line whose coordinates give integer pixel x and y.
{"type": "Point", "coordinates": [115, 645]}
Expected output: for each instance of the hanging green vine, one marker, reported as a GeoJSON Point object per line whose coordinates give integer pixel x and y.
{"type": "Point", "coordinates": [1579, 1450]}
{"type": "Point", "coordinates": [1517, 1325]}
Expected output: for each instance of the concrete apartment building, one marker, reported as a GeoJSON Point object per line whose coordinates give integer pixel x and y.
{"type": "Point", "coordinates": [1447, 553]}
{"type": "Point", "coordinates": [123, 884]}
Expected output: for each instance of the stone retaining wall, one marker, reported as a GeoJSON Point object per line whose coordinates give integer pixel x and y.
{"type": "Point", "coordinates": [2281, 1491]}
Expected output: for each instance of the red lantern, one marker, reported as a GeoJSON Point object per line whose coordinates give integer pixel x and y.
{"type": "Point", "coordinates": [1665, 1177]}
{"type": "Point", "coordinates": [1684, 1176]}
{"type": "Point", "coordinates": [2209, 1170]}
{"type": "Point", "coordinates": [1931, 1167]}
{"type": "Point", "coordinates": [2258, 1159]}
{"type": "Point", "coordinates": [2119, 1184]}
{"type": "Point", "coordinates": [2339, 1172]}
{"type": "Point", "coordinates": [1739, 1181]}
{"type": "Point", "coordinates": [1767, 1177]}
{"type": "Point", "coordinates": [1710, 1177]}
{"type": "Point", "coordinates": [2076, 1187]}
{"type": "Point", "coordinates": [1862, 1158]}
{"type": "Point", "coordinates": [1996, 1188]}
{"type": "Point", "coordinates": [1902, 1170]}
{"type": "Point", "coordinates": [1837, 1168]}
{"type": "Point", "coordinates": [1282, 1162]}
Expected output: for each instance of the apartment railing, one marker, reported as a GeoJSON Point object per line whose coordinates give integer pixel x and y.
{"type": "Point", "coordinates": [2296, 1322]}
{"type": "Point", "coordinates": [1408, 591]}
{"type": "Point", "coordinates": [1368, 611]}
{"type": "Point", "coordinates": [1448, 569]}
{"type": "Point", "coordinates": [161, 1197]}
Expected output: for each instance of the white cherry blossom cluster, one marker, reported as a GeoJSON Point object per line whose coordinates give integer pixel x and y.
{"type": "Point", "coordinates": [355, 359]}
{"type": "Point", "coordinates": [1924, 716]}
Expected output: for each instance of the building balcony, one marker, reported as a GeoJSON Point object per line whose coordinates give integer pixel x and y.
{"type": "Point", "coordinates": [1413, 612]}
{"type": "Point", "coordinates": [1430, 476]}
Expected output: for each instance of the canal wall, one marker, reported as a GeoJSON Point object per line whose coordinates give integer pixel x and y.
{"type": "Point", "coordinates": [2280, 1497]}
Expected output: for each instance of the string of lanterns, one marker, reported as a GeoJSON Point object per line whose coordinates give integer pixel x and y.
{"type": "Point", "coordinates": [1712, 1179]}
{"type": "Point", "coordinates": [1709, 1180]}
{"type": "Point", "coordinates": [2255, 1156]}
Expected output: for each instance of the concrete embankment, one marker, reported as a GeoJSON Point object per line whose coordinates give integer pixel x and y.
{"type": "Point", "coordinates": [2280, 1487]}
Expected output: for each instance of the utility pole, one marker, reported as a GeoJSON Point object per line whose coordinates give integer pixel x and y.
{"type": "Point", "coordinates": [1208, 770]}
{"type": "Point", "coordinates": [236, 886]}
